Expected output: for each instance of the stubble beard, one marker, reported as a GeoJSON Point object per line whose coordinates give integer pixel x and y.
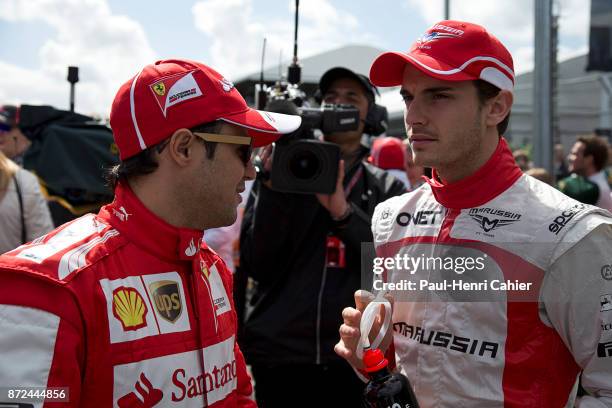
{"type": "Point", "coordinates": [466, 147]}
{"type": "Point", "coordinates": [208, 209]}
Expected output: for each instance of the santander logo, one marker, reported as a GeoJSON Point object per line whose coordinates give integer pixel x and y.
{"type": "Point", "coordinates": [212, 381]}
{"type": "Point", "coordinates": [190, 379]}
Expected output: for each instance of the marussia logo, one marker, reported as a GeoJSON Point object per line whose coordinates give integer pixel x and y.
{"type": "Point", "coordinates": [435, 35]}
{"type": "Point", "coordinates": [489, 224]}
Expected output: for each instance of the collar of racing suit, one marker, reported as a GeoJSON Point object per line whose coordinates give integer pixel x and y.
{"type": "Point", "coordinates": [492, 179]}
{"type": "Point", "coordinates": [146, 230]}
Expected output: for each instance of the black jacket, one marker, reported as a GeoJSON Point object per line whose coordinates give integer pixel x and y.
{"type": "Point", "coordinates": [298, 302]}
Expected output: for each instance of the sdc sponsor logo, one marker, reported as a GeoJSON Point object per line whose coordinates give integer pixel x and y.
{"type": "Point", "coordinates": [566, 216]}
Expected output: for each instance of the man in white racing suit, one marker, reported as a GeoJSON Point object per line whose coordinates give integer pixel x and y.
{"type": "Point", "coordinates": [502, 285]}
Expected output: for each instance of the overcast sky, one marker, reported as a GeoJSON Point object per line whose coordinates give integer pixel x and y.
{"type": "Point", "coordinates": [110, 40]}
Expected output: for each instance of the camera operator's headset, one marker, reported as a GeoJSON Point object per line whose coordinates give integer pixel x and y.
{"type": "Point", "coordinates": [376, 120]}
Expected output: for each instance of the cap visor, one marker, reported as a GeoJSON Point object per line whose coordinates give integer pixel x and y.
{"type": "Point", "coordinates": [388, 68]}
{"type": "Point", "coordinates": [264, 127]}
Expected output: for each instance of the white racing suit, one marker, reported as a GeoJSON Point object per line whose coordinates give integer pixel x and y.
{"type": "Point", "coordinates": [472, 343]}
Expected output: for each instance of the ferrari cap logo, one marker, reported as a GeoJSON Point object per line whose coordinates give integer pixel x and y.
{"type": "Point", "coordinates": [160, 88]}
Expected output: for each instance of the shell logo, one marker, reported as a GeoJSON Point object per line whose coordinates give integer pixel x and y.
{"type": "Point", "coordinates": [129, 308]}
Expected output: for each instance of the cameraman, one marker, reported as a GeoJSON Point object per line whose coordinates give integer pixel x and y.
{"type": "Point", "coordinates": [304, 253]}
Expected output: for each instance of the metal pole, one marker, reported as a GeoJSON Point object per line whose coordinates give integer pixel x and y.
{"type": "Point", "coordinates": [605, 116]}
{"type": "Point", "coordinates": [71, 97]}
{"type": "Point", "coordinates": [542, 79]}
{"type": "Point", "coordinates": [73, 78]}
{"type": "Point", "coordinates": [447, 9]}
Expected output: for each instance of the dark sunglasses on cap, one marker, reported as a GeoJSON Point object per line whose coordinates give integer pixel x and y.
{"type": "Point", "coordinates": [245, 150]}
{"type": "Point", "coordinates": [5, 127]}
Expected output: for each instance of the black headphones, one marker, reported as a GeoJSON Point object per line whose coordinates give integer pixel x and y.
{"type": "Point", "coordinates": [376, 119]}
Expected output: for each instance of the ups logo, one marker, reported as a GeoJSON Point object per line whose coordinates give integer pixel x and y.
{"type": "Point", "coordinates": [167, 299]}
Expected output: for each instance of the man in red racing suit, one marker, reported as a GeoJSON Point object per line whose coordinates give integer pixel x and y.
{"type": "Point", "coordinates": [502, 284]}
{"type": "Point", "coordinates": [130, 307]}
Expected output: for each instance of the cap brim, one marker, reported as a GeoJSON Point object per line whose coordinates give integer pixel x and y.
{"type": "Point", "coordinates": [264, 127]}
{"type": "Point", "coordinates": [388, 68]}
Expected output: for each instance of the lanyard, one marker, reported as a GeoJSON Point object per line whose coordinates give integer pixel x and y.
{"type": "Point", "coordinates": [354, 179]}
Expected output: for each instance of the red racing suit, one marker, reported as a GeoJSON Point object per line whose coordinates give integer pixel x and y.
{"type": "Point", "coordinates": [124, 310]}
{"type": "Point", "coordinates": [527, 303]}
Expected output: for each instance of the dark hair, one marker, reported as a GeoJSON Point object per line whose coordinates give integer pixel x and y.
{"type": "Point", "coordinates": [330, 76]}
{"type": "Point", "coordinates": [8, 115]}
{"type": "Point", "coordinates": [597, 147]}
{"type": "Point", "coordinates": [145, 162]}
{"type": "Point", "coordinates": [487, 91]}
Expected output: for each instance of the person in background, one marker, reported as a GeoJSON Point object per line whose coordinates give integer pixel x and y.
{"type": "Point", "coordinates": [304, 252]}
{"type": "Point", "coordinates": [522, 159]}
{"type": "Point", "coordinates": [13, 143]}
{"type": "Point", "coordinates": [588, 157]}
{"type": "Point", "coordinates": [579, 188]}
{"type": "Point", "coordinates": [24, 214]}
{"type": "Point", "coordinates": [560, 163]}
{"type": "Point", "coordinates": [388, 153]}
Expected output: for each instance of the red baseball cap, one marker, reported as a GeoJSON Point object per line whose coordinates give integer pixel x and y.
{"type": "Point", "coordinates": [388, 153]}
{"type": "Point", "coordinates": [450, 51]}
{"type": "Point", "coordinates": [174, 94]}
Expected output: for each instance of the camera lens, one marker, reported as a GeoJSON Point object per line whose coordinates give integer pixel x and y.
{"type": "Point", "coordinates": [305, 165]}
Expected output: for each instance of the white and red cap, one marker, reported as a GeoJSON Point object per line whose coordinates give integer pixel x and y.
{"type": "Point", "coordinates": [451, 51]}
{"type": "Point", "coordinates": [174, 94]}
{"type": "Point", "coordinates": [388, 153]}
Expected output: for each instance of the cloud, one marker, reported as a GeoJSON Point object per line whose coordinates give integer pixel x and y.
{"type": "Point", "coordinates": [237, 34]}
{"type": "Point", "coordinates": [107, 48]}
{"type": "Point", "coordinates": [512, 21]}
{"type": "Point", "coordinates": [574, 19]}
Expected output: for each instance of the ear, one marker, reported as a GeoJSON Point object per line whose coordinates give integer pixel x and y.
{"type": "Point", "coordinates": [499, 107]}
{"type": "Point", "coordinates": [181, 147]}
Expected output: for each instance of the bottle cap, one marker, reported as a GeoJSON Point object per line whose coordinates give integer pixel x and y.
{"type": "Point", "coordinates": [374, 360]}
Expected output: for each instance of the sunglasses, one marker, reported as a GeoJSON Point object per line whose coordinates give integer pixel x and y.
{"type": "Point", "coordinates": [245, 149]}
